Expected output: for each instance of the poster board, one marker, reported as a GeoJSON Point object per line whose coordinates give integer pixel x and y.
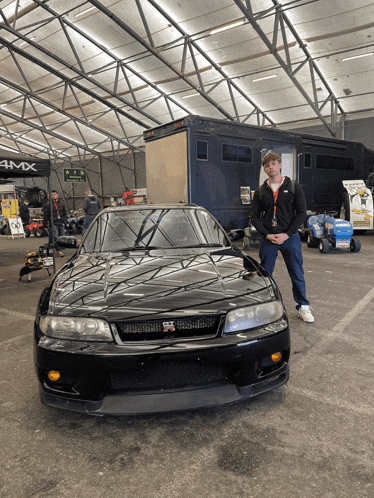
{"type": "Point", "coordinates": [16, 227]}
{"type": "Point", "coordinates": [360, 204]}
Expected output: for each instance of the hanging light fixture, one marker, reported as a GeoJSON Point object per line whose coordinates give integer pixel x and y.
{"type": "Point", "coordinates": [226, 26]}
{"type": "Point", "coordinates": [357, 56]}
{"type": "Point", "coordinates": [265, 78]}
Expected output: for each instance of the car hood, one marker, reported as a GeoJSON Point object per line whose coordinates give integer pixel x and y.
{"type": "Point", "coordinates": [149, 284]}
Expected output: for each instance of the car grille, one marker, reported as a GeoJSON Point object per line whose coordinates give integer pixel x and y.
{"type": "Point", "coordinates": [149, 330]}
{"type": "Point", "coordinates": [167, 375]}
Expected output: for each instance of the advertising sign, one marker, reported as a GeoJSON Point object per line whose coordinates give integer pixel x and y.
{"type": "Point", "coordinates": [360, 204]}
{"type": "Point", "coordinates": [16, 227]}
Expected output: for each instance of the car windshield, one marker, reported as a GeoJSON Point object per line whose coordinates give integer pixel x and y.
{"type": "Point", "coordinates": [153, 228]}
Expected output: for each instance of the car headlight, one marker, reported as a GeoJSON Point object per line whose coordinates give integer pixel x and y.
{"type": "Point", "coordinates": [75, 328]}
{"type": "Point", "coordinates": [253, 316]}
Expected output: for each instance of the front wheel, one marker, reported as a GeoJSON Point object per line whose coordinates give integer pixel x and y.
{"type": "Point", "coordinates": [355, 245]}
{"type": "Point", "coordinates": [324, 246]}
{"type": "Point", "coordinates": [38, 232]}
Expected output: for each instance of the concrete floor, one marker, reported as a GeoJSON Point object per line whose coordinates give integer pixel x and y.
{"type": "Point", "coordinates": [312, 438]}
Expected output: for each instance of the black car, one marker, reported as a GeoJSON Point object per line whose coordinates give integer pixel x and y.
{"type": "Point", "coordinates": [158, 311]}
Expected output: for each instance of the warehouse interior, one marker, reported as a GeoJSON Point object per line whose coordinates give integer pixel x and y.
{"type": "Point", "coordinates": [81, 83]}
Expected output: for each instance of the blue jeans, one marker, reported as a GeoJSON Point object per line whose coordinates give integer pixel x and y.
{"type": "Point", "coordinates": [87, 221]}
{"type": "Point", "coordinates": [293, 257]}
{"type": "Point", "coordinates": [58, 231]}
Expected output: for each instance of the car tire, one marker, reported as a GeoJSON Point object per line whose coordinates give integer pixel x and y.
{"type": "Point", "coordinates": [324, 246]}
{"type": "Point", "coordinates": [312, 241]}
{"type": "Point", "coordinates": [355, 245]}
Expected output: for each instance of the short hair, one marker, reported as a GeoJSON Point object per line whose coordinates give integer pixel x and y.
{"type": "Point", "coordinates": [54, 192]}
{"type": "Point", "coordinates": [270, 156]}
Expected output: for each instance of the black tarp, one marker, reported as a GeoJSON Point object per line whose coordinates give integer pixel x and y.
{"type": "Point", "coordinates": [16, 166]}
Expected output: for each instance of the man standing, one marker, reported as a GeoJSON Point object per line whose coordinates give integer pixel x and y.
{"type": "Point", "coordinates": [278, 210]}
{"type": "Point", "coordinates": [24, 212]}
{"type": "Point", "coordinates": [91, 207]}
{"type": "Point", "coordinates": [59, 220]}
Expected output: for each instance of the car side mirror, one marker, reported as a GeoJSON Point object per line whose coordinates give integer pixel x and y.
{"type": "Point", "coordinates": [237, 234]}
{"type": "Point", "coordinates": [67, 241]}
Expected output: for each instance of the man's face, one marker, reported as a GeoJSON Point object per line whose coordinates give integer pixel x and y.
{"type": "Point", "coordinates": [272, 168]}
{"type": "Point", "coordinates": [54, 196]}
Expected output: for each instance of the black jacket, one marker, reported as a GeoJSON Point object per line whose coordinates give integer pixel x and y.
{"type": "Point", "coordinates": [24, 213]}
{"type": "Point", "coordinates": [59, 214]}
{"type": "Point", "coordinates": [290, 213]}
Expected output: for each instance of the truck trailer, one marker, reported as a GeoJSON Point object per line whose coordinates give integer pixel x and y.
{"type": "Point", "coordinates": [217, 164]}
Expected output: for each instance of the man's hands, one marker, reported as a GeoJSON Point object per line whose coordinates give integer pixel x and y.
{"type": "Point", "coordinates": [277, 238]}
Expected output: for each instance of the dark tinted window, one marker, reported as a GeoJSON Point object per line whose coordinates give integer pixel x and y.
{"type": "Point", "coordinates": [121, 229]}
{"type": "Point", "coordinates": [335, 162]}
{"type": "Point", "coordinates": [202, 150]}
{"type": "Point", "coordinates": [236, 153]}
{"type": "Point", "coordinates": [307, 160]}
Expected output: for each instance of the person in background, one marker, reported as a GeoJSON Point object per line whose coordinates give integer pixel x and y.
{"type": "Point", "coordinates": [59, 220]}
{"type": "Point", "coordinates": [91, 207]}
{"type": "Point", "coordinates": [278, 210]}
{"type": "Point", "coordinates": [24, 212]}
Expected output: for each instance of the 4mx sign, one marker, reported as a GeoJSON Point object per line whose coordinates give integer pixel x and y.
{"type": "Point", "coordinates": [12, 165]}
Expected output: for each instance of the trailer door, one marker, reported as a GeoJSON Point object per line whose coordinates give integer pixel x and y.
{"type": "Point", "coordinates": [287, 154]}
{"type": "Point", "coordinates": [166, 169]}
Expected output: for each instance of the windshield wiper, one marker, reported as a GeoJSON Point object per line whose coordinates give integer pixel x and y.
{"type": "Point", "coordinates": [139, 248]}
{"type": "Point", "coordinates": [200, 245]}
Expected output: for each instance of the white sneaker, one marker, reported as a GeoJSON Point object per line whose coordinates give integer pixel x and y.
{"type": "Point", "coordinates": [305, 314]}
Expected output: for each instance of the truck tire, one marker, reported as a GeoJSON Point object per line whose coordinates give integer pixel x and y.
{"type": "Point", "coordinates": [344, 208]}
{"type": "Point", "coordinates": [324, 246]}
{"type": "Point", "coordinates": [355, 245]}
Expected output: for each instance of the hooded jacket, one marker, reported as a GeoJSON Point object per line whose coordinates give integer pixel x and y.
{"type": "Point", "coordinates": [91, 205]}
{"type": "Point", "coordinates": [290, 208]}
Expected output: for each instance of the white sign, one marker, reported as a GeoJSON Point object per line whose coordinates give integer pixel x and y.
{"type": "Point", "coordinates": [360, 204]}
{"type": "Point", "coordinates": [16, 227]}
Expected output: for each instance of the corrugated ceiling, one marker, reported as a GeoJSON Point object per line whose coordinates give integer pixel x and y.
{"type": "Point", "coordinates": [87, 78]}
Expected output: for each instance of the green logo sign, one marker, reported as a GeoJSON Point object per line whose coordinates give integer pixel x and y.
{"type": "Point", "coordinates": [74, 175]}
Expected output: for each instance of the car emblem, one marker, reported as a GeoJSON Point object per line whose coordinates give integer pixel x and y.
{"type": "Point", "coordinates": [168, 326]}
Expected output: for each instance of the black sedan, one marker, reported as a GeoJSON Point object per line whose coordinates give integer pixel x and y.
{"type": "Point", "coordinates": [158, 311]}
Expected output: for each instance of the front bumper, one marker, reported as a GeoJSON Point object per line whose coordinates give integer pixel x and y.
{"type": "Point", "coordinates": [111, 379]}
{"type": "Point", "coordinates": [124, 404]}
